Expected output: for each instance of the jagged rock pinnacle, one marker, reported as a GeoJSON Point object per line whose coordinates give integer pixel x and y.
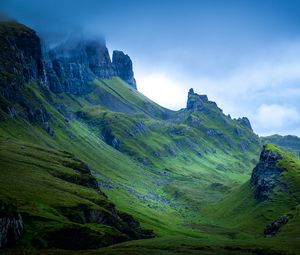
{"type": "Point", "coordinates": [123, 67]}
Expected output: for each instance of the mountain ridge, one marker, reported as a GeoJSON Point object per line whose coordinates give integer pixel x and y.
{"type": "Point", "coordinates": [164, 168]}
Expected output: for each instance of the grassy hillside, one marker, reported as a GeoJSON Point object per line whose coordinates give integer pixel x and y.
{"type": "Point", "coordinates": [183, 174]}
{"type": "Point", "coordinates": [242, 211]}
{"type": "Point", "coordinates": [56, 194]}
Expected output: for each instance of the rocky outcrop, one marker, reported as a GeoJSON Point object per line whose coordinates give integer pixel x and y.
{"type": "Point", "coordinates": [20, 57]}
{"type": "Point", "coordinates": [245, 122]}
{"type": "Point", "coordinates": [266, 175]}
{"type": "Point", "coordinates": [273, 228]}
{"type": "Point", "coordinates": [11, 225]}
{"type": "Point", "coordinates": [195, 101]}
{"type": "Point", "coordinates": [21, 62]}
{"type": "Point", "coordinates": [110, 138]}
{"type": "Point", "coordinates": [72, 66]}
{"type": "Point", "coordinates": [123, 66]}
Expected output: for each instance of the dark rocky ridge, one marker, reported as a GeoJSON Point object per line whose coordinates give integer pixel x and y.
{"type": "Point", "coordinates": [71, 67]}
{"type": "Point", "coordinates": [21, 62]}
{"type": "Point", "coordinates": [195, 101]}
{"type": "Point", "coordinates": [123, 66]}
{"type": "Point", "coordinates": [245, 122]}
{"type": "Point", "coordinates": [266, 174]}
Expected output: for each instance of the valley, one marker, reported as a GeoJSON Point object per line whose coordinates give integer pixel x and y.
{"type": "Point", "coordinates": [92, 166]}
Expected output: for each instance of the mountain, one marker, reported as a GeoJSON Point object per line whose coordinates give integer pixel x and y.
{"type": "Point", "coordinates": [88, 161]}
{"type": "Point", "coordinates": [288, 142]}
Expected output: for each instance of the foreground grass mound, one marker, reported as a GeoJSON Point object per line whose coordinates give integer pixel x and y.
{"type": "Point", "coordinates": [58, 200]}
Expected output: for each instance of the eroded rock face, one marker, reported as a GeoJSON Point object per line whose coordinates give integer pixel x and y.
{"type": "Point", "coordinates": [245, 122]}
{"type": "Point", "coordinates": [195, 101]}
{"type": "Point", "coordinates": [111, 139]}
{"type": "Point", "coordinates": [266, 174]}
{"type": "Point", "coordinates": [20, 56]}
{"type": "Point", "coordinates": [21, 62]}
{"type": "Point", "coordinates": [123, 67]}
{"type": "Point", "coordinates": [11, 225]}
{"type": "Point", "coordinates": [72, 66]}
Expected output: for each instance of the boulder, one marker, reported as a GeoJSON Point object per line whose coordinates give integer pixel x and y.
{"type": "Point", "coordinates": [273, 228]}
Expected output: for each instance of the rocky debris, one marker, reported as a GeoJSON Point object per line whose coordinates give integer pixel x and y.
{"type": "Point", "coordinates": [110, 138]}
{"type": "Point", "coordinates": [244, 145]}
{"type": "Point", "coordinates": [170, 149]}
{"type": "Point", "coordinates": [214, 132]}
{"type": "Point", "coordinates": [139, 128]}
{"type": "Point", "coordinates": [245, 122]}
{"type": "Point", "coordinates": [273, 228]}
{"type": "Point", "coordinates": [195, 122]}
{"type": "Point", "coordinates": [11, 225]}
{"type": "Point", "coordinates": [238, 131]}
{"type": "Point", "coordinates": [123, 66]}
{"type": "Point", "coordinates": [266, 175]}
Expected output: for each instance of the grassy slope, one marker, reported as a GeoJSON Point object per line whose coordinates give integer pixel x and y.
{"type": "Point", "coordinates": [171, 192]}
{"type": "Point", "coordinates": [241, 211]}
{"type": "Point", "coordinates": [34, 179]}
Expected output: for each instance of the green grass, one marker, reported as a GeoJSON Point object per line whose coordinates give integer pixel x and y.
{"type": "Point", "coordinates": [190, 188]}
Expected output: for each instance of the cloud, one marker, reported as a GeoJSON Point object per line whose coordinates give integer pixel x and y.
{"type": "Point", "coordinates": [276, 117]}
{"type": "Point", "coordinates": [162, 89]}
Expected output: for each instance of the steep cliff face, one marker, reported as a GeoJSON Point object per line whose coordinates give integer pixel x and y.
{"type": "Point", "coordinates": [71, 67]}
{"type": "Point", "coordinates": [266, 175]}
{"type": "Point", "coordinates": [245, 122]}
{"type": "Point", "coordinates": [21, 62]}
{"type": "Point", "coordinates": [20, 55]}
{"type": "Point", "coordinates": [123, 66]}
{"type": "Point", "coordinates": [195, 101]}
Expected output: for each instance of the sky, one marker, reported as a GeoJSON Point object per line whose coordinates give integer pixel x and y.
{"type": "Point", "coordinates": [245, 55]}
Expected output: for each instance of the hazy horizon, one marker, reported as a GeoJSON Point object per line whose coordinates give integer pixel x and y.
{"type": "Point", "coordinates": [245, 55]}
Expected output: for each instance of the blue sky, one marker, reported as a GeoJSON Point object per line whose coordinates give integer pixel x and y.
{"type": "Point", "coordinates": [245, 55]}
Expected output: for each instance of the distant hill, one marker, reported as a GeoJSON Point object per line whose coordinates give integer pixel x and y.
{"type": "Point", "coordinates": [288, 142]}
